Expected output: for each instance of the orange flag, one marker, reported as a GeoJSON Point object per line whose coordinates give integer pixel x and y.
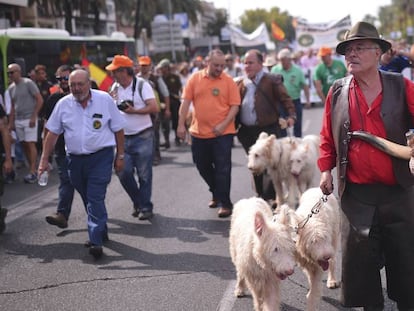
{"type": "Point", "coordinates": [277, 32]}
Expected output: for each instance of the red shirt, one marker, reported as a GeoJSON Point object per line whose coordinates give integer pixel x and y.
{"type": "Point", "coordinates": [367, 164]}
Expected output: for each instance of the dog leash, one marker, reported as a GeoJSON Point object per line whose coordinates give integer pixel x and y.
{"type": "Point", "coordinates": [315, 210]}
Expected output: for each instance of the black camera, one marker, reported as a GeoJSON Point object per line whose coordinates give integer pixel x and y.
{"type": "Point", "coordinates": [125, 104]}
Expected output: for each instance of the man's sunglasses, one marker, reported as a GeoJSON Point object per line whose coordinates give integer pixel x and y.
{"type": "Point", "coordinates": [10, 72]}
{"type": "Point", "coordinates": [66, 78]}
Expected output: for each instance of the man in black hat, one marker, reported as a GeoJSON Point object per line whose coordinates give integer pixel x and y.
{"type": "Point", "coordinates": [376, 189]}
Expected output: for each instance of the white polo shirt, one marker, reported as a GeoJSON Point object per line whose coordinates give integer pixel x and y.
{"type": "Point", "coordinates": [135, 123]}
{"type": "Point", "coordinates": [86, 130]}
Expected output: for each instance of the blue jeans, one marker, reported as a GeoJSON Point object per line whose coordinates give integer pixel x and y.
{"type": "Point", "coordinates": [66, 189]}
{"type": "Point", "coordinates": [212, 158]}
{"type": "Point", "coordinates": [139, 151]}
{"type": "Point", "coordinates": [297, 128]}
{"type": "Point", "coordinates": [90, 175]}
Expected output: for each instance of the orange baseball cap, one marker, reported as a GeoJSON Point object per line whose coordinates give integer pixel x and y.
{"type": "Point", "coordinates": [120, 61]}
{"type": "Point", "coordinates": [324, 50]}
{"type": "Point", "coordinates": [144, 60]}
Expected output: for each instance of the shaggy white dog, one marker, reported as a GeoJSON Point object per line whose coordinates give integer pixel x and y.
{"type": "Point", "coordinates": [273, 155]}
{"type": "Point", "coordinates": [262, 252]}
{"type": "Point", "coordinates": [303, 161]}
{"type": "Point", "coordinates": [317, 240]}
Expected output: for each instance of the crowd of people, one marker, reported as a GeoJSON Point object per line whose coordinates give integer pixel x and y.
{"type": "Point", "coordinates": [211, 100]}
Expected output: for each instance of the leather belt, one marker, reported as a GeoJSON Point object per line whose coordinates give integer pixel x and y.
{"type": "Point", "coordinates": [139, 133]}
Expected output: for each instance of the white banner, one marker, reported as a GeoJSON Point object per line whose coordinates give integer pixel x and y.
{"type": "Point", "coordinates": [327, 34]}
{"type": "Point", "coordinates": [258, 37]}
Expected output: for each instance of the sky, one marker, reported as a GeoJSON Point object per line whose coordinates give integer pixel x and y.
{"type": "Point", "coordinates": [315, 11]}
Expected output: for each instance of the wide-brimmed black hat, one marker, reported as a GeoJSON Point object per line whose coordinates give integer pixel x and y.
{"type": "Point", "coordinates": [362, 31]}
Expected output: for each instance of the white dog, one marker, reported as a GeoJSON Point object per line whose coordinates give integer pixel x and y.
{"type": "Point", "coordinates": [316, 241]}
{"type": "Point", "coordinates": [262, 251]}
{"type": "Point", "coordinates": [303, 161]}
{"type": "Point", "coordinates": [273, 155]}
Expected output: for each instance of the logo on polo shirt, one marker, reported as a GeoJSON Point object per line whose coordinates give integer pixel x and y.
{"type": "Point", "coordinates": [97, 124]}
{"type": "Point", "coordinates": [215, 91]}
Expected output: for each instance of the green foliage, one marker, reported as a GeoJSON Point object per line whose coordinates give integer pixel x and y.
{"type": "Point", "coordinates": [251, 19]}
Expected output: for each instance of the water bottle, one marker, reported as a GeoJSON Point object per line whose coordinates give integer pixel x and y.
{"type": "Point", "coordinates": [43, 179]}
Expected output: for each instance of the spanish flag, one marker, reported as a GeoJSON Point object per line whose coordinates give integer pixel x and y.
{"type": "Point", "coordinates": [103, 80]}
{"type": "Point", "coordinates": [277, 32]}
{"type": "Point", "coordinates": [100, 76]}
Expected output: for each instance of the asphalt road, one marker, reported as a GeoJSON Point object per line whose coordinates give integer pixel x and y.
{"type": "Point", "coordinates": [177, 261]}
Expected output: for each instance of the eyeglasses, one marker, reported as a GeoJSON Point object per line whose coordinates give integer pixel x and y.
{"type": "Point", "coordinates": [10, 72]}
{"type": "Point", "coordinates": [358, 49]}
{"type": "Point", "coordinates": [66, 78]}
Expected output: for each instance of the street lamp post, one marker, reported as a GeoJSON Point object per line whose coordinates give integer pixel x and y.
{"type": "Point", "coordinates": [170, 19]}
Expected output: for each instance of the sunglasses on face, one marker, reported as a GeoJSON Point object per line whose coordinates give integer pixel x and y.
{"type": "Point", "coordinates": [10, 72]}
{"type": "Point", "coordinates": [66, 78]}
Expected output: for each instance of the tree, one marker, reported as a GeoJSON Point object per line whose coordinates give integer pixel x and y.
{"type": "Point", "coordinates": [251, 19]}
{"type": "Point", "coordinates": [141, 13]}
{"type": "Point", "coordinates": [214, 28]}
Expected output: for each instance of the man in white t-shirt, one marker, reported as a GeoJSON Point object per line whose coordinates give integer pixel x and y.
{"type": "Point", "coordinates": [136, 100]}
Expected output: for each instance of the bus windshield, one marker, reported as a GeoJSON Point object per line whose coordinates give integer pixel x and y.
{"type": "Point", "coordinates": [52, 48]}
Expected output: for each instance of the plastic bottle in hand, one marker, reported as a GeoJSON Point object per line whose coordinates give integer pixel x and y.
{"type": "Point", "coordinates": [43, 179]}
{"type": "Point", "coordinates": [410, 143]}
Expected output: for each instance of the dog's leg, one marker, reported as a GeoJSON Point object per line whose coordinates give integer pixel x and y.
{"type": "Point", "coordinates": [240, 290]}
{"type": "Point", "coordinates": [331, 281]}
{"type": "Point", "coordinates": [271, 299]}
{"type": "Point", "coordinates": [277, 184]}
{"type": "Point", "coordinates": [313, 297]}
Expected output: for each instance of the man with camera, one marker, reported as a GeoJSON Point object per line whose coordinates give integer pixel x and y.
{"type": "Point", "coordinates": [136, 101]}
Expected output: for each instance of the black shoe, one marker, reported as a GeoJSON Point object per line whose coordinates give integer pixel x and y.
{"type": "Point", "coordinates": [145, 215]}
{"type": "Point", "coordinates": [166, 145]}
{"type": "Point", "coordinates": [96, 251]}
{"type": "Point", "coordinates": [136, 211]}
{"type": "Point", "coordinates": [178, 142]}
{"type": "Point", "coordinates": [105, 239]}
{"type": "Point", "coordinates": [3, 214]}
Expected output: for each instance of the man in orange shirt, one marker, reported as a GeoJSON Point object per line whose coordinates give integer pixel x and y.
{"type": "Point", "coordinates": [216, 101]}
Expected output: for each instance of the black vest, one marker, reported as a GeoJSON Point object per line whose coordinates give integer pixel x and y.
{"type": "Point", "coordinates": [394, 114]}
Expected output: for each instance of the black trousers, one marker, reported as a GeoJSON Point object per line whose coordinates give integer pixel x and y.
{"type": "Point", "coordinates": [377, 231]}
{"type": "Point", "coordinates": [247, 136]}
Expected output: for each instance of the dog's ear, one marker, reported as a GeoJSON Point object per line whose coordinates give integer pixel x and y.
{"type": "Point", "coordinates": [259, 223]}
{"type": "Point", "coordinates": [263, 135]}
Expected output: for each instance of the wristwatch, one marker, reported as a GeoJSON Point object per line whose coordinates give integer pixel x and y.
{"type": "Point", "coordinates": [120, 156]}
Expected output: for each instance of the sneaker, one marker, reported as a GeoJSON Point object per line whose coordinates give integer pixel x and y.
{"type": "Point", "coordinates": [57, 219]}
{"type": "Point", "coordinates": [30, 178]}
{"type": "Point", "coordinates": [3, 214]}
{"type": "Point", "coordinates": [145, 215]}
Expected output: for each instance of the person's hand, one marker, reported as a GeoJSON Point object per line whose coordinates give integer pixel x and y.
{"type": "Point", "coordinates": [290, 122]}
{"type": "Point", "coordinates": [118, 165]}
{"type": "Point", "coordinates": [326, 183]}
{"type": "Point", "coordinates": [32, 122]}
{"type": "Point", "coordinates": [181, 132]}
{"type": "Point", "coordinates": [167, 113]}
{"type": "Point", "coordinates": [8, 166]}
{"type": "Point", "coordinates": [219, 129]}
{"type": "Point", "coordinates": [43, 165]}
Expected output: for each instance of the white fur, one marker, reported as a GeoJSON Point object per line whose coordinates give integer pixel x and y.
{"type": "Point", "coordinates": [317, 241]}
{"type": "Point", "coordinates": [262, 251]}
{"type": "Point", "coordinates": [273, 155]}
{"type": "Point", "coordinates": [303, 161]}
